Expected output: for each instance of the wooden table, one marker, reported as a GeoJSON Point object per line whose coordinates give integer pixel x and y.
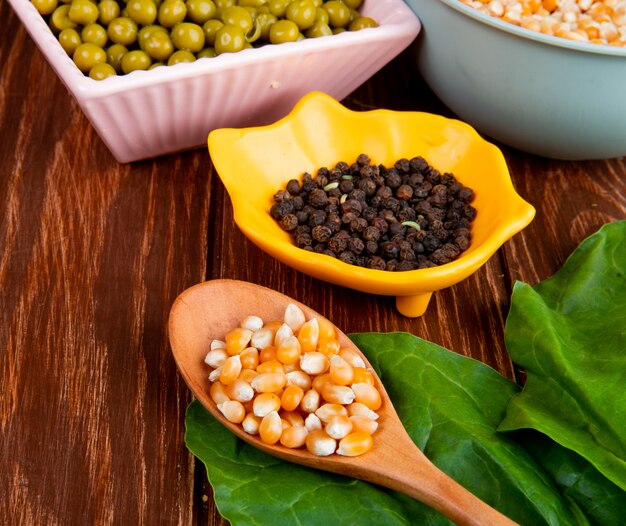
{"type": "Point", "coordinates": [93, 253]}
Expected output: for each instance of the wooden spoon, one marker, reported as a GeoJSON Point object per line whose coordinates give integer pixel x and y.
{"type": "Point", "coordinates": [209, 310]}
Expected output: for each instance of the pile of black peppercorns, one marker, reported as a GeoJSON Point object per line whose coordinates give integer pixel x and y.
{"type": "Point", "coordinates": [406, 217]}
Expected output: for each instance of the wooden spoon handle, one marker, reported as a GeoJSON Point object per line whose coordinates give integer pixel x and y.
{"type": "Point", "coordinates": [406, 469]}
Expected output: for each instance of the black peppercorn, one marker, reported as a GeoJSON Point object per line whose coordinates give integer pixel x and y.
{"type": "Point", "coordinates": [400, 218]}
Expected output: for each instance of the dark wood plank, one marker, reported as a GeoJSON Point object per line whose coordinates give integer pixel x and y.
{"type": "Point", "coordinates": [93, 254]}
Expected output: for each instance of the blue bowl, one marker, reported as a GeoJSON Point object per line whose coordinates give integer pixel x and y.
{"type": "Point", "coordinates": [541, 94]}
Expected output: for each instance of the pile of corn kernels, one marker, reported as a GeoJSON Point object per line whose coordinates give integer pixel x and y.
{"type": "Point", "coordinates": [594, 21]}
{"type": "Point", "coordinates": [291, 382]}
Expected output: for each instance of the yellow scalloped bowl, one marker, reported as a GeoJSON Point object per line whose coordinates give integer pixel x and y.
{"type": "Point", "coordinates": [253, 163]}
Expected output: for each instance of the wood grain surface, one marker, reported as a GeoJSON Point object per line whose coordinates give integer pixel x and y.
{"type": "Point", "coordinates": [93, 253]}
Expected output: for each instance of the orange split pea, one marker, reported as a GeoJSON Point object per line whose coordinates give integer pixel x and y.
{"type": "Point", "coordinates": [291, 383]}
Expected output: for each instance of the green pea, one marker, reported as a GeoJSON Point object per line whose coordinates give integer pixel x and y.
{"type": "Point", "coordinates": [319, 29]}
{"type": "Point", "coordinates": [237, 16]}
{"type": "Point", "coordinates": [101, 71]}
{"type": "Point", "coordinates": [95, 34]}
{"type": "Point", "coordinates": [156, 65]}
{"type": "Point", "coordinates": [142, 12]}
{"type": "Point", "coordinates": [210, 29]}
{"type": "Point", "coordinates": [188, 36]}
{"type": "Point", "coordinates": [122, 30]}
{"type": "Point", "coordinates": [87, 55]}
{"type": "Point", "coordinates": [207, 52]}
{"type": "Point", "coordinates": [223, 4]}
{"type": "Point", "coordinates": [321, 15]}
{"type": "Point", "coordinates": [264, 21]}
{"type": "Point", "coordinates": [136, 60]}
{"type": "Point", "coordinates": [114, 56]}
{"type": "Point", "coordinates": [338, 13]}
{"type": "Point", "coordinates": [252, 3]}
{"type": "Point", "coordinates": [172, 12]}
{"type": "Point", "coordinates": [353, 4]}
{"type": "Point", "coordinates": [283, 31]}
{"type": "Point", "coordinates": [229, 39]}
{"type": "Point", "coordinates": [83, 12]}
{"type": "Point", "coordinates": [60, 19]}
{"type": "Point", "coordinates": [318, 3]}
{"type": "Point", "coordinates": [199, 11]}
{"type": "Point", "coordinates": [180, 56]}
{"type": "Point", "coordinates": [69, 40]}
{"type": "Point", "coordinates": [45, 7]}
{"type": "Point", "coordinates": [278, 7]}
{"type": "Point", "coordinates": [361, 23]}
{"type": "Point", "coordinates": [302, 13]}
{"type": "Point", "coordinates": [146, 32]}
{"type": "Point", "coordinates": [159, 46]}
{"type": "Point", "coordinates": [109, 11]}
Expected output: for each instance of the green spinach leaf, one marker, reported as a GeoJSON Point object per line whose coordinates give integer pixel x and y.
{"type": "Point", "coordinates": [569, 334]}
{"type": "Point", "coordinates": [449, 404]}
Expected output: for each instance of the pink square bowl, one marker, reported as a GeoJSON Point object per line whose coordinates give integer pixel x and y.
{"type": "Point", "coordinates": [149, 113]}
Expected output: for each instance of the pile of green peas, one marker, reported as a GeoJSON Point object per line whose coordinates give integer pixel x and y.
{"type": "Point", "coordinates": [115, 37]}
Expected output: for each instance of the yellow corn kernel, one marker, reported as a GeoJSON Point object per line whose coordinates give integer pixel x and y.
{"type": "Point", "coordinates": [291, 398]}
{"type": "Point", "coordinates": [310, 401]}
{"type": "Point", "coordinates": [292, 417]}
{"type": "Point", "coordinates": [240, 390]}
{"type": "Point", "coordinates": [326, 330]}
{"type": "Point", "coordinates": [337, 394]}
{"type": "Point", "coordinates": [320, 444]}
{"type": "Point", "coordinates": [214, 375]}
{"type": "Point", "coordinates": [231, 369]}
{"type": "Point", "coordinates": [312, 422]}
{"type": "Point", "coordinates": [249, 358]}
{"type": "Point", "coordinates": [218, 344]}
{"type": "Point", "coordinates": [233, 411]}
{"type": "Point", "coordinates": [218, 393]}
{"type": "Point", "coordinates": [284, 424]}
{"type": "Point", "coordinates": [294, 317]}
{"type": "Point", "coordinates": [267, 355]}
{"type": "Point", "coordinates": [271, 428]}
{"type": "Point", "coordinates": [358, 409]}
{"type": "Point", "coordinates": [269, 382]}
{"type": "Point", "coordinates": [352, 357]}
{"type": "Point", "coordinates": [338, 427]}
{"type": "Point", "coordinates": [367, 394]}
{"type": "Point", "coordinates": [251, 424]}
{"type": "Point", "coordinates": [252, 323]}
{"type": "Point", "coordinates": [326, 411]}
{"type": "Point", "coordinates": [262, 338]}
{"type": "Point", "coordinates": [294, 436]}
{"type": "Point", "coordinates": [265, 403]}
{"type": "Point", "coordinates": [320, 381]}
{"type": "Point", "coordinates": [299, 378]}
{"type": "Point", "coordinates": [237, 340]}
{"type": "Point", "coordinates": [216, 358]}
{"type": "Point", "coordinates": [363, 376]}
{"type": "Point", "coordinates": [284, 331]}
{"type": "Point", "coordinates": [364, 424]}
{"type": "Point", "coordinates": [328, 347]}
{"type": "Point", "coordinates": [355, 444]}
{"type": "Point", "coordinates": [271, 366]}
{"type": "Point", "coordinates": [247, 375]}
{"type": "Point", "coordinates": [308, 335]}
{"type": "Point", "coordinates": [341, 372]}
{"type": "Point", "coordinates": [314, 363]}
{"type": "Point", "coordinates": [289, 350]}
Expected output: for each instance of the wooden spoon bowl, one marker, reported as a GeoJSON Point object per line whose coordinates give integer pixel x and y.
{"type": "Point", "coordinates": [209, 310]}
